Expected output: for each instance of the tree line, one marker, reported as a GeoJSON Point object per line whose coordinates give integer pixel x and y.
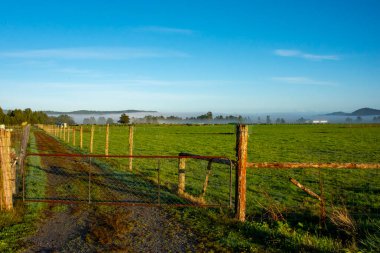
{"type": "Point", "coordinates": [18, 116]}
{"type": "Point", "coordinates": [207, 117]}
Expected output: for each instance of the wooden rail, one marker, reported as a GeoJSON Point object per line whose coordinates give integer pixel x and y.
{"type": "Point", "coordinates": [214, 160]}
{"type": "Point", "coordinates": [292, 165]}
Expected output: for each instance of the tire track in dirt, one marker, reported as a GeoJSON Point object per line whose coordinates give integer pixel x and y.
{"type": "Point", "coordinates": [95, 228]}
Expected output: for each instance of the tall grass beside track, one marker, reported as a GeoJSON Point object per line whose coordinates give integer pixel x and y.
{"type": "Point", "coordinates": [16, 225]}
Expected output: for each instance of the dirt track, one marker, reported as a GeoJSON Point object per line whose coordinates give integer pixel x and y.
{"type": "Point", "coordinates": [94, 228]}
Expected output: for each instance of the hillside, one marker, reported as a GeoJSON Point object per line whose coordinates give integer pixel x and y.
{"type": "Point", "coordinates": [360, 112]}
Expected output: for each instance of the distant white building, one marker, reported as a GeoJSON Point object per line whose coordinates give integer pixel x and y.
{"type": "Point", "coordinates": [62, 125]}
{"type": "Point", "coordinates": [320, 122]}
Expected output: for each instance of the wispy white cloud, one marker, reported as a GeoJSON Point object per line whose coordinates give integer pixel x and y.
{"type": "Point", "coordinates": [307, 56]}
{"type": "Point", "coordinates": [34, 63]}
{"type": "Point", "coordinates": [103, 84]}
{"type": "Point", "coordinates": [167, 30]}
{"type": "Point", "coordinates": [179, 83]}
{"type": "Point", "coordinates": [301, 80]}
{"type": "Point", "coordinates": [287, 52]}
{"type": "Point", "coordinates": [80, 72]}
{"type": "Point", "coordinates": [100, 53]}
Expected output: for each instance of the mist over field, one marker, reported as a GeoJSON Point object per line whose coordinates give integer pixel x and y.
{"type": "Point", "coordinates": [254, 118]}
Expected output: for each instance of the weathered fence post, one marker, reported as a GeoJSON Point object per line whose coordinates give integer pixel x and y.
{"type": "Point", "coordinates": [68, 134]}
{"type": "Point", "coordinates": [181, 175]}
{"type": "Point", "coordinates": [241, 159]}
{"type": "Point", "coordinates": [24, 145]}
{"type": "Point", "coordinates": [74, 135]}
{"type": "Point", "coordinates": [130, 147]}
{"type": "Point", "coordinates": [107, 139]}
{"type": "Point", "coordinates": [6, 174]}
{"type": "Point", "coordinates": [205, 184]}
{"type": "Point", "coordinates": [92, 138]}
{"type": "Point", "coordinates": [81, 137]}
{"type": "Point", "coordinates": [64, 133]}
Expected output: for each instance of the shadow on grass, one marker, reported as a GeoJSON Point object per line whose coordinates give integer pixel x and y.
{"type": "Point", "coordinates": [123, 187]}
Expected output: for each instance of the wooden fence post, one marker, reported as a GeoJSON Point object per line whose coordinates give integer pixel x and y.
{"type": "Point", "coordinates": [64, 133]}
{"type": "Point", "coordinates": [107, 139]}
{"type": "Point", "coordinates": [81, 137]}
{"type": "Point", "coordinates": [92, 138]}
{"type": "Point", "coordinates": [6, 174]}
{"type": "Point", "coordinates": [205, 184]}
{"type": "Point", "coordinates": [130, 147]}
{"type": "Point", "coordinates": [241, 158]}
{"type": "Point", "coordinates": [74, 135]}
{"type": "Point", "coordinates": [181, 175]}
{"type": "Point", "coordinates": [68, 134]}
{"type": "Point", "coordinates": [21, 158]}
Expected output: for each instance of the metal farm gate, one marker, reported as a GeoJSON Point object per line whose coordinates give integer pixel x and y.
{"type": "Point", "coordinates": [184, 180]}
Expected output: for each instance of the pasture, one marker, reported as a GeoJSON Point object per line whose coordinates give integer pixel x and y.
{"type": "Point", "coordinates": [283, 215]}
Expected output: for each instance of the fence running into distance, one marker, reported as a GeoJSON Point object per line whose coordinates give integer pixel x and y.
{"type": "Point", "coordinates": [13, 144]}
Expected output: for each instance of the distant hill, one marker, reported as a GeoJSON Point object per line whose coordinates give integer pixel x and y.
{"type": "Point", "coordinates": [95, 112]}
{"type": "Point", "coordinates": [361, 112]}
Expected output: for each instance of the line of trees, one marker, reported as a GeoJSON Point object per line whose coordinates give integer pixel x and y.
{"type": "Point", "coordinates": [99, 121]}
{"type": "Point", "coordinates": [18, 116]}
{"type": "Point", "coordinates": [207, 117]}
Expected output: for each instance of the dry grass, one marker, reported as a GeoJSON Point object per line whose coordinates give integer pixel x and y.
{"type": "Point", "coordinates": [193, 199]}
{"type": "Point", "coordinates": [341, 218]}
{"type": "Point", "coordinates": [272, 208]}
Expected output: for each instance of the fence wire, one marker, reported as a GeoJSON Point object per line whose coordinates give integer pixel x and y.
{"type": "Point", "coordinates": [153, 181]}
{"type": "Point", "coordinates": [271, 194]}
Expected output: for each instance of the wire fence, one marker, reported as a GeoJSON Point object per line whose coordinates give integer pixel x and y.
{"type": "Point", "coordinates": [154, 180]}
{"type": "Point", "coordinates": [273, 194]}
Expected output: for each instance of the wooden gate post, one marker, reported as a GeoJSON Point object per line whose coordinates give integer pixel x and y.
{"type": "Point", "coordinates": [241, 169]}
{"type": "Point", "coordinates": [130, 147]}
{"type": "Point", "coordinates": [181, 175]}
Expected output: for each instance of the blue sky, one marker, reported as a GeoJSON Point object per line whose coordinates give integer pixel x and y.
{"type": "Point", "coordinates": [190, 56]}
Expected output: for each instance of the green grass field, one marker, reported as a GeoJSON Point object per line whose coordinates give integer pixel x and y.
{"type": "Point", "coordinates": [279, 215]}
{"type": "Point", "coordinates": [309, 143]}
